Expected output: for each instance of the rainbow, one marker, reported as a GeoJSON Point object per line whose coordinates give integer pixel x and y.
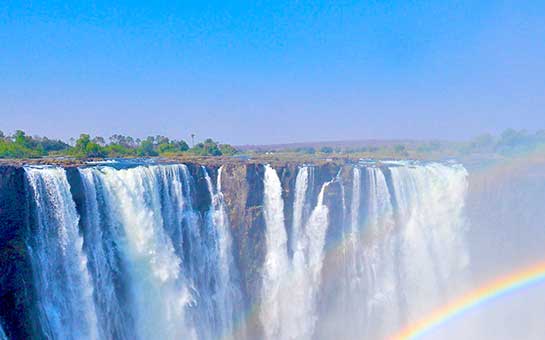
{"type": "Point", "coordinates": [495, 289]}
{"type": "Point", "coordinates": [492, 172]}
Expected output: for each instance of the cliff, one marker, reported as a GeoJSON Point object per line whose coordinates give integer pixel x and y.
{"type": "Point", "coordinates": [17, 296]}
{"type": "Point", "coordinates": [242, 188]}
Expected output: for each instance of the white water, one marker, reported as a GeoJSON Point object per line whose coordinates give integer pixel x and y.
{"type": "Point", "coordinates": [276, 266]}
{"type": "Point", "coordinates": [180, 277]}
{"type": "Point", "coordinates": [378, 263]}
{"type": "Point", "coordinates": [408, 252]}
{"type": "Point", "coordinates": [228, 294]}
{"type": "Point", "coordinates": [152, 265]}
{"type": "Point", "coordinates": [307, 266]}
{"type": "Point", "coordinates": [288, 309]}
{"type": "Point", "coordinates": [301, 188]}
{"type": "Point", "coordinates": [100, 240]}
{"type": "Point", "coordinates": [430, 203]}
{"type": "Point", "coordinates": [353, 239]}
{"type": "Point", "coordinates": [157, 261]}
{"type": "Point", "coordinates": [62, 279]}
{"type": "Point", "coordinates": [156, 286]}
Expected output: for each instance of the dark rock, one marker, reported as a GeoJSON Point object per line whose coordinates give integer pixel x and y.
{"type": "Point", "coordinates": [18, 302]}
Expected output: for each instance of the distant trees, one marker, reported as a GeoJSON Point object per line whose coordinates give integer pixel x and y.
{"type": "Point", "coordinates": [401, 150]}
{"type": "Point", "coordinates": [207, 148]}
{"type": "Point", "coordinates": [227, 150]}
{"type": "Point", "coordinates": [20, 145]}
{"type": "Point", "coordinates": [326, 149]}
{"type": "Point", "coordinates": [309, 150]}
{"type": "Point", "coordinates": [172, 146]}
{"type": "Point", "coordinates": [146, 148]}
{"type": "Point", "coordinates": [509, 142]}
{"type": "Point", "coordinates": [85, 148]}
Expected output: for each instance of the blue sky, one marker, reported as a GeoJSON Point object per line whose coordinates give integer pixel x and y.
{"type": "Point", "coordinates": [272, 71]}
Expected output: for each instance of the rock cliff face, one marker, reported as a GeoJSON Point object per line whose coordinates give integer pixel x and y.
{"type": "Point", "coordinates": [17, 296]}
{"type": "Point", "coordinates": [326, 217]}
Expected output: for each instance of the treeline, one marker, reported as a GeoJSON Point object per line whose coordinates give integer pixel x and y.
{"type": "Point", "coordinates": [20, 145]}
{"type": "Point", "coordinates": [509, 142]}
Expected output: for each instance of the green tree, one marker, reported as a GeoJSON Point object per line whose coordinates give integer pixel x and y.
{"type": "Point", "coordinates": [207, 148]}
{"type": "Point", "coordinates": [227, 149]}
{"type": "Point", "coordinates": [85, 148]}
{"type": "Point", "coordinates": [118, 150]}
{"type": "Point", "coordinates": [172, 147]}
{"type": "Point", "coordinates": [146, 148]}
{"type": "Point", "coordinates": [19, 138]}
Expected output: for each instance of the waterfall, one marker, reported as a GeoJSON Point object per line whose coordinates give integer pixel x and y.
{"type": "Point", "coordinates": [62, 280]}
{"type": "Point", "coordinates": [178, 262]}
{"type": "Point", "coordinates": [228, 294]}
{"type": "Point", "coordinates": [101, 241]}
{"type": "Point", "coordinates": [301, 188]}
{"type": "Point", "coordinates": [146, 251]}
{"type": "Point", "coordinates": [290, 287]}
{"type": "Point", "coordinates": [353, 249]}
{"type": "Point", "coordinates": [307, 266]}
{"type": "Point", "coordinates": [430, 201]}
{"type": "Point", "coordinates": [157, 290]}
{"type": "Point", "coordinates": [377, 265]}
{"type": "Point", "coordinates": [276, 266]}
{"type": "Point", "coordinates": [407, 252]}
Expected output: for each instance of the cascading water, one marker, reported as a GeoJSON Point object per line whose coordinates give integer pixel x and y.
{"type": "Point", "coordinates": [228, 295]}
{"type": "Point", "coordinates": [290, 287]}
{"type": "Point", "coordinates": [407, 252]}
{"type": "Point", "coordinates": [301, 188]}
{"type": "Point", "coordinates": [377, 263]}
{"type": "Point", "coordinates": [307, 266]}
{"type": "Point", "coordinates": [157, 291]}
{"type": "Point", "coordinates": [102, 240]}
{"type": "Point", "coordinates": [179, 262]}
{"type": "Point", "coordinates": [430, 201]}
{"type": "Point", "coordinates": [276, 267]}
{"type": "Point", "coordinates": [147, 251]}
{"type": "Point", "coordinates": [157, 267]}
{"type": "Point", "coordinates": [62, 280]}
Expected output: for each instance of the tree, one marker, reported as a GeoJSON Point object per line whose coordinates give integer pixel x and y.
{"type": "Point", "coordinates": [85, 148]}
{"type": "Point", "coordinates": [307, 150]}
{"type": "Point", "coordinates": [126, 141]}
{"type": "Point", "coordinates": [326, 149]}
{"type": "Point", "coordinates": [207, 148]}
{"type": "Point", "coordinates": [227, 150]}
{"type": "Point", "coordinates": [99, 140]}
{"type": "Point", "coordinates": [146, 148]}
{"type": "Point", "coordinates": [20, 138]}
{"type": "Point", "coordinates": [53, 145]}
{"type": "Point", "coordinates": [172, 146]}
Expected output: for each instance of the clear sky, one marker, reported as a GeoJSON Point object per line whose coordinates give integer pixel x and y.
{"type": "Point", "coordinates": [272, 71]}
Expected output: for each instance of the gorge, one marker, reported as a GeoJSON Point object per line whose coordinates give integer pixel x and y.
{"type": "Point", "coordinates": [230, 251]}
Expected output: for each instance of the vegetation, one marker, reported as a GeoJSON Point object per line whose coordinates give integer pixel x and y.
{"type": "Point", "coordinates": [508, 143]}
{"type": "Point", "coordinates": [19, 145]}
{"type": "Point", "coordinates": [22, 146]}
